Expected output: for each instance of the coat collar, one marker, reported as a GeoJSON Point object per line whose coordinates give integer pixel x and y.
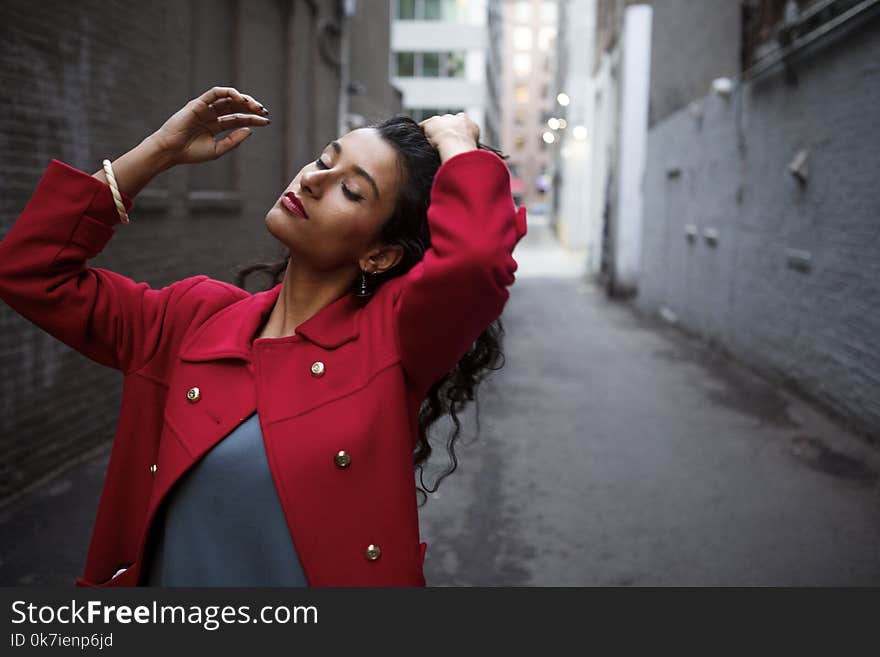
{"type": "Point", "coordinates": [229, 333]}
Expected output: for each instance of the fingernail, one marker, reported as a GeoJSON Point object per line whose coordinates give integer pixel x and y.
{"type": "Point", "coordinates": [264, 109]}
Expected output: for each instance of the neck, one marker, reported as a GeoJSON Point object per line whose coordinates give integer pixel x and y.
{"type": "Point", "coordinates": [304, 292]}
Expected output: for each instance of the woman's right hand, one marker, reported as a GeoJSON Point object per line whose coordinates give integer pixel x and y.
{"type": "Point", "coordinates": [188, 136]}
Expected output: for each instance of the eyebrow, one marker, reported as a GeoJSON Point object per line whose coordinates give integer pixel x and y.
{"type": "Point", "coordinates": [357, 169]}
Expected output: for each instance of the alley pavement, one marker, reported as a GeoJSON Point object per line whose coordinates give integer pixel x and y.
{"type": "Point", "coordinates": [612, 450]}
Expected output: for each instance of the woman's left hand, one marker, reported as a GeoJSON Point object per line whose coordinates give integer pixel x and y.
{"type": "Point", "coordinates": [451, 134]}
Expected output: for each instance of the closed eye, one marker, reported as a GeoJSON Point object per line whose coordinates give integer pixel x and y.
{"type": "Point", "coordinates": [357, 198]}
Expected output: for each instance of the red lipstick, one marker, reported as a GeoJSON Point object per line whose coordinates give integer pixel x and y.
{"type": "Point", "coordinates": [292, 203]}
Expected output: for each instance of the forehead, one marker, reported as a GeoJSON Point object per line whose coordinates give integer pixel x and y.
{"type": "Point", "coordinates": [366, 148]}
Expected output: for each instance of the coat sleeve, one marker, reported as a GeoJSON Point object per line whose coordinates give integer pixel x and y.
{"type": "Point", "coordinates": [44, 277]}
{"type": "Point", "coordinates": [460, 286]}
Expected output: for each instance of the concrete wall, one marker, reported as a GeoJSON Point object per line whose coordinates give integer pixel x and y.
{"type": "Point", "coordinates": [376, 98]}
{"type": "Point", "coordinates": [692, 44]}
{"type": "Point", "coordinates": [425, 36]}
{"type": "Point", "coordinates": [441, 92]}
{"type": "Point", "coordinates": [602, 152]}
{"type": "Point", "coordinates": [818, 328]}
{"type": "Point", "coordinates": [634, 83]}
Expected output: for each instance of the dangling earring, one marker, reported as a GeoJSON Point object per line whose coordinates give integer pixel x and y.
{"type": "Point", "coordinates": [363, 292]}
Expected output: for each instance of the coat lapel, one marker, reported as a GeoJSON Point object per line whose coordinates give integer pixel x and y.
{"type": "Point", "coordinates": [230, 332]}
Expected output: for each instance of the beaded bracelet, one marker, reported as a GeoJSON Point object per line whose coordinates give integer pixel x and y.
{"type": "Point", "coordinates": [114, 189]}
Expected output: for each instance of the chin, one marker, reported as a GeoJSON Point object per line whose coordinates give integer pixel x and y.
{"type": "Point", "coordinates": [278, 224]}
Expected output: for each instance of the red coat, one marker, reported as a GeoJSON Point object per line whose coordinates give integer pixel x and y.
{"type": "Point", "coordinates": [351, 379]}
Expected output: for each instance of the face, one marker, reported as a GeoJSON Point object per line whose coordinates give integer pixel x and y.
{"type": "Point", "coordinates": [348, 193]}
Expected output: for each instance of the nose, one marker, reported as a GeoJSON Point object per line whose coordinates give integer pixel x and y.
{"type": "Point", "coordinates": [314, 181]}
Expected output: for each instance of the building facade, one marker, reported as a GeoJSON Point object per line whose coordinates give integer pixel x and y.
{"type": "Point", "coordinates": [528, 95]}
{"type": "Point", "coordinates": [577, 227]}
{"type": "Point", "coordinates": [760, 213]}
{"type": "Point", "coordinates": [495, 108]}
{"type": "Point", "coordinates": [438, 57]}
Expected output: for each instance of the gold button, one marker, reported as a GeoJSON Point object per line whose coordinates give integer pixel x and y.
{"type": "Point", "coordinates": [342, 458]}
{"type": "Point", "coordinates": [193, 394]}
{"type": "Point", "coordinates": [153, 469]}
{"type": "Point", "coordinates": [317, 368]}
{"type": "Point", "coordinates": [373, 552]}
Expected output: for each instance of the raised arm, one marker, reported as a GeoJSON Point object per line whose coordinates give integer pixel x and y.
{"type": "Point", "coordinates": [460, 285]}
{"type": "Point", "coordinates": [70, 218]}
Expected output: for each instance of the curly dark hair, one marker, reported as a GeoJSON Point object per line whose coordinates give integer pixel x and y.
{"type": "Point", "coordinates": [418, 162]}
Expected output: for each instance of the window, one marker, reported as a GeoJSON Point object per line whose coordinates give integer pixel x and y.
{"type": "Point", "coordinates": [548, 12]}
{"type": "Point", "coordinates": [454, 10]}
{"type": "Point", "coordinates": [406, 9]}
{"type": "Point", "coordinates": [522, 63]}
{"type": "Point", "coordinates": [453, 64]}
{"type": "Point", "coordinates": [406, 64]}
{"type": "Point", "coordinates": [519, 141]}
{"type": "Point", "coordinates": [433, 10]}
{"type": "Point", "coordinates": [430, 10]}
{"type": "Point", "coordinates": [519, 115]}
{"type": "Point", "coordinates": [522, 93]}
{"type": "Point", "coordinates": [767, 25]}
{"type": "Point", "coordinates": [546, 35]}
{"type": "Point", "coordinates": [523, 12]}
{"type": "Point", "coordinates": [522, 38]}
{"type": "Point", "coordinates": [429, 64]}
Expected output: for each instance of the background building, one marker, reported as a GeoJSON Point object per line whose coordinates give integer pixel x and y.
{"type": "Point", "coordinates": [82, 84]}
{"type": "Point", "coordinates": [438, 57]}
{"type": "Point", "coordinates": [529, 47]}
{"type": "Point", "coordinates": [577, 228]}
{"type": "Point", "coordinates": [495, 108]}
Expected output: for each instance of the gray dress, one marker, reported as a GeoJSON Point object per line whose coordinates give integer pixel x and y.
{"type": "Point", "coordinates": [222, 523]}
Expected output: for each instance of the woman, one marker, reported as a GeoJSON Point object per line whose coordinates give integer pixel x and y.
{"type": "Point", "coordinates": [270, 438]}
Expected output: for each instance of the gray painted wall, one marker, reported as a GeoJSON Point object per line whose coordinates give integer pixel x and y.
{"type": "Point", "coordinates": [692, 43]}
{"type": "Point", "coordinates": [816, 329]}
